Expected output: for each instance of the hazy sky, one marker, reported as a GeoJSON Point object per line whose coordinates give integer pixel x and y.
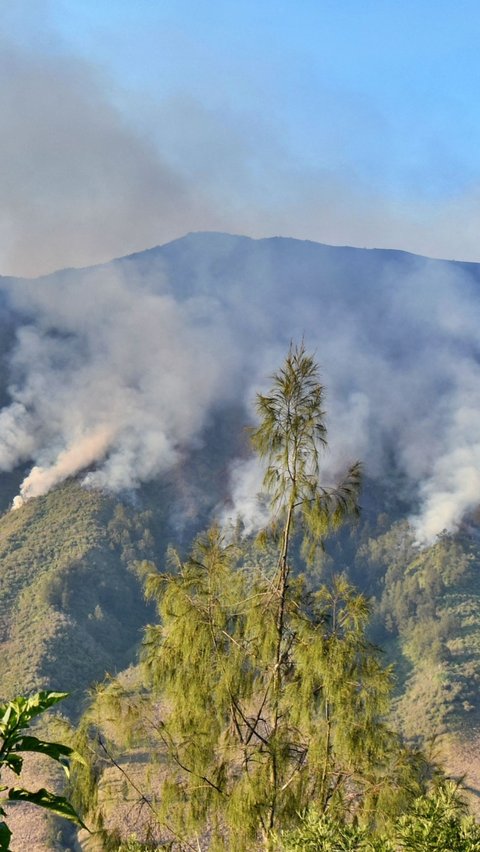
{"type": "Point", "coordinates": [125, 124]}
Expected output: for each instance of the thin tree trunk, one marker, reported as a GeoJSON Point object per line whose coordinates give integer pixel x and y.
{"type": "Point", "coordinates": [283, 570]}
{"type": "Point", "coordinates": [323, 781]}
{"type": "Point", "coordinates": [323, 788]}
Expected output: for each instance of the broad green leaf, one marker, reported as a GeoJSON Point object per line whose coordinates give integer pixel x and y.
{"type": "Point", "coordinates": [43, 799]}
{"type": "Point", "coordinates": [57, 751]}
{"type": "Point", "coordinates": [19, 712]}
{"type": "Point", "coordinates": [42, 701]}
{"type": "Point", "coordinates": [5, 835]}
{"type": "Point", "coordinates": [14, 762]}
{"type": "Point", "coordinates": [6, 711]}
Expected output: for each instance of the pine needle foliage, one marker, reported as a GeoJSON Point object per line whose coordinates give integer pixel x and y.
{"type": "Point", "coordinates": [271, 695]}
{"type": "Point", "coordinates": [243, 759]}
{"type": "Point", "coordinates": [290, 439]}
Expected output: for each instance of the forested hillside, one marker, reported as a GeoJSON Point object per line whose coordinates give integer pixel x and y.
{"type": "Point", "coordinates": [70, 607]}
{"type": "Point", "coordinates": [126, 391]}
{"type": "Point", "coordinates": [71, 601]}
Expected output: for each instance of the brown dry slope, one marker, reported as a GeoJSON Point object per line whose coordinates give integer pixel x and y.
{"type": "Point", "coordinates": [33, 829]}
{"type": "Point", "coordinates": [462, 760]}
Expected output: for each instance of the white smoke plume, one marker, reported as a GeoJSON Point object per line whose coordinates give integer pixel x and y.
{"type": "Point", "coordinates": [83, 452]}
{"type": "Point", "coordinates": [116, 370]}
{"type": "Point", "coordinates": [246, 484]}
{"type": "Point", "coordinates": [109, 374]}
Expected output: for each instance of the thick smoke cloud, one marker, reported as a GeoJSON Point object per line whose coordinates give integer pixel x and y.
{"type": "Point", "coordinates": [92, 171]}
{"type": "Point", "coordinates": [108, 374]}
{"type": "Point", "coordinates": [117, 371]}
{"type": "Point", "coordinates": [79, 183]}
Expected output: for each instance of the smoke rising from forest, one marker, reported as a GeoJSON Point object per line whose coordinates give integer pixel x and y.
{"type": "Point", "coordinates": [109, 375]}
{"type": "Point", "coordinates": [118, 373]}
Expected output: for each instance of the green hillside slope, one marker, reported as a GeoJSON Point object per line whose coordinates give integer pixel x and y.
{"type": "Point", "coordinates": [428, 616]}
{"type": "Point", "coordinates": [70, 605]}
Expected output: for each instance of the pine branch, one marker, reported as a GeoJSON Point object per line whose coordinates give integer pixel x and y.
{"type": "Point", "coordinates": [173, 752]}
{"type": "Point", "coordinates": [143, 798]}
{"type": "Point", "coordinates": [253, 730]}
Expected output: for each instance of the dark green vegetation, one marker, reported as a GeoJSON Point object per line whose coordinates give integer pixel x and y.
{"type": "Point", "coordinates": [67, 582]}
{"type": "Point", "coordinates": [71, 602]}
{"type": "Point", "coordinates": [15, 744]}
{"type": "Point", "coordinates": [429, 618]}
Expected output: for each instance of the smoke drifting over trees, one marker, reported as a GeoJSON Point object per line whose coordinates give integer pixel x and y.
{"type": "Point", "coordinates": [117, 369]}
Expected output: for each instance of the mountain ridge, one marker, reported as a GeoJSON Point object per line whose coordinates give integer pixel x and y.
{"type": "Point", "coordinates": [221, 235]}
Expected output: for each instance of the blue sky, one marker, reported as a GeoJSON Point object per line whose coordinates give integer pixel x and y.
{"type": "Point", "coordinates": [346, 122]}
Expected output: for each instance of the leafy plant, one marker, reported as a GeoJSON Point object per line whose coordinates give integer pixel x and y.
{"type": "Point", "coordinates": [321, 833]}
{"type": "Point", "coordinates": [15, 718]}
{"type": "Point", "coordinates": [438, 822]}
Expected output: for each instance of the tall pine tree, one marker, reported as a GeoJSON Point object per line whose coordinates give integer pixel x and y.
{"type": "Point", "coordinates": [273, 696]}
{"type": "Point", "coordinates": [263, 696]}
